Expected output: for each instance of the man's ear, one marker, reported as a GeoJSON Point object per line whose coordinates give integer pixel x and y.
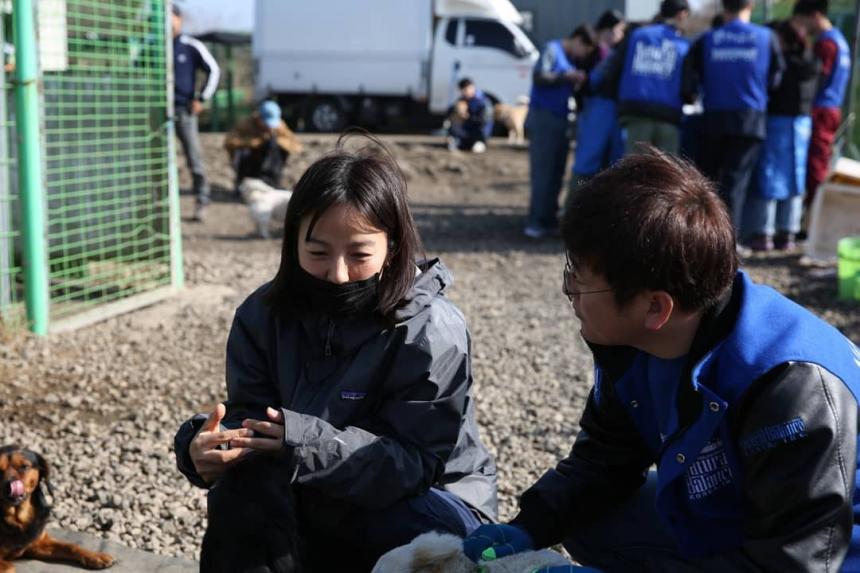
{"type": "Point", "coordinates": [660, 307]}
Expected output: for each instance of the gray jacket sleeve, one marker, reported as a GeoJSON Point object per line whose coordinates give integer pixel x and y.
{"type": "Point", "coordinates": [798, 442]}
{"type": "Point", "coordinates": [416, 425]}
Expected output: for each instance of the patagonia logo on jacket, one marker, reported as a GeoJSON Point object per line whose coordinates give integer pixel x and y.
{"type": "Point", "coordinates": [710, 471]}
{"type": "Point", "coordinates": [352, 395]}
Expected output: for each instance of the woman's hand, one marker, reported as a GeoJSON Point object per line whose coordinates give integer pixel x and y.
{"type": "Point", "coordinates": [271, 433]}
{"type": "Point", "coordinates": [209, 460]}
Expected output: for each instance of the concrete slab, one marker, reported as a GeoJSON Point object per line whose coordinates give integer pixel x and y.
{"type": "Point", "coordinates": [128, 560]}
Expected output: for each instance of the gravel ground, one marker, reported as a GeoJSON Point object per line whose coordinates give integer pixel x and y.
{"type": "Point", "coordinates": [103, 403]}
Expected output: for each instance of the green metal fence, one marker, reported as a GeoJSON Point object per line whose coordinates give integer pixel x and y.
{"type": "Point", "coordinates": [11, 276]}
{"type": "Point", "coordinates": [110, 229]}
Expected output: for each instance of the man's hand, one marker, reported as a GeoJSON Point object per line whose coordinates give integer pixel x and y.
{"type": "Point", "coordinates": [208, 458]}
{"type": "Point", "coordinates": [196, 106]}
{"type": "Point", "coordinates": [494, 541]}
{"type": "Point", "coordinates": [272, 430]}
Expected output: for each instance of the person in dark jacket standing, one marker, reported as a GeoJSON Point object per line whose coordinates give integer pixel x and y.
{"type": "Point", "coordinates": [645, 75]}
{"type": "Point", "coordinates": [353, 367]}
{"type": "Point", "coordinates": [189, 57]}
{"type": "Point", "coordinates": [556, 74]}
{"type": "Point", "coordinates": [744, 401]}
{"type": "Point", "coordinates": [833, 52]}
{"type": "Point", "coordinates": [735, 66]}
{"type": "Point", "coordinates": [773, 210]}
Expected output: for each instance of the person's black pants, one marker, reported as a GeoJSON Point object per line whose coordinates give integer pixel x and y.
{"type": "Point", "coordinates": [729, 161]}
{"type": "Point", "coordinates": [260, 523]}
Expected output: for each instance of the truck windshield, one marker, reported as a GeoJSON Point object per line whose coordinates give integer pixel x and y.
{"type": "Point", "coordinates": [492, 34]}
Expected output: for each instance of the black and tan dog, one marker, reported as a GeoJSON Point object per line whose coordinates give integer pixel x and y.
{"type": "Point", "coordinates": [24, 514]}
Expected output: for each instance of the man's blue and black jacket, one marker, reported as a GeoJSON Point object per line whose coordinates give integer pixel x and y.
{"type": "Point", "coordinates": [764, 458]}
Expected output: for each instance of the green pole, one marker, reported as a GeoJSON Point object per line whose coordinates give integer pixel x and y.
{"type": "Point", "coordinates": [177, 272]}
{"type": "Point", "coordinates": [231, 100]}
{"type": "Point", "coordinates": [30, 187]}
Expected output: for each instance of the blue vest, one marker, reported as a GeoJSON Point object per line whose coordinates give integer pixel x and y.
{"type": "Point", "coordinates": [699, 482]}
{"type": "Point", "coordinates": [652, 66]}
{"type": "Point", "coordinates": [553, 98]}
{"type": "Point", "coordinates": [832, 92]}
{"type": "Point", "coordinates": [735, 67]}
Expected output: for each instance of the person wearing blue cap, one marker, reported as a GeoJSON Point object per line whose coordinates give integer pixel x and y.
{"type": "Point", "coordinates": [260, 145]}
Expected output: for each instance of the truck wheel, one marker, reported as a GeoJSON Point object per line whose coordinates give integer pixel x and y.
{"type": "Point", "coordinates": [325, 115]}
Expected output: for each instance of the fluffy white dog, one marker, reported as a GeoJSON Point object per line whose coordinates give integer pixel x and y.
{"type": "Point", "coordinates": [443, 553]}
{"type": "Point", "coordinates": [265, 203]}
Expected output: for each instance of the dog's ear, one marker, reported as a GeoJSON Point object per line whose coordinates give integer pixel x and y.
{"type": "Point", "coordinates": [44, 475]}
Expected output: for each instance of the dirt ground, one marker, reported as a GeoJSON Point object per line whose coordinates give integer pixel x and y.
{"type": "Point", "coordinates": [103, 403]}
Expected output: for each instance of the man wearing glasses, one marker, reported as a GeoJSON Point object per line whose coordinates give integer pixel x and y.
{"type": "Point", "coordinates": [744, 401]}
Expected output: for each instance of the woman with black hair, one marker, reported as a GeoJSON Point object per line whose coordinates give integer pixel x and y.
{"type": "Point", "coordinates": [772, 213]}
{"type": "Point", "coordinates": [351, 372]}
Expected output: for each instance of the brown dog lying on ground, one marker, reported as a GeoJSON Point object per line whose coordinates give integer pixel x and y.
{"type": "Point", "coordinates": [24, 514]}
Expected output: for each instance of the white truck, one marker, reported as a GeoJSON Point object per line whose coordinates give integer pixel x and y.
{"type": "Point", "coordinates": [336, 62]}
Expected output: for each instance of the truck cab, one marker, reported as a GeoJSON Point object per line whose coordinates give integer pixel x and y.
{"type": "Point", "coordinates": [495, 54]}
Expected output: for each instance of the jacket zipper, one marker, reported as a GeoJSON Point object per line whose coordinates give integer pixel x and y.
{"type": "Point", "coordinates": [328, 338]}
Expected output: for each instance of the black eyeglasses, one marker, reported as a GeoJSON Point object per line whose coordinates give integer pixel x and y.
{"type": "Point", "coordinates": [565, 288]}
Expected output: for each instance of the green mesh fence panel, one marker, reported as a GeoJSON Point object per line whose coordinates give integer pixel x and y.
{"type": "Point", "coordinates": [12, 313]}
{"type": "Point", "coordinates": [104, 89]}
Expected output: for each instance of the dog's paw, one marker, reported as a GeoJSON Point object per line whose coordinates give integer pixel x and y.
{"type": "Point", "coordinates": [97, 561]}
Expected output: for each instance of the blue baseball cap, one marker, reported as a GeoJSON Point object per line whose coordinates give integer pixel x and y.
{"type": "Point", "coordinates": [270, 113]}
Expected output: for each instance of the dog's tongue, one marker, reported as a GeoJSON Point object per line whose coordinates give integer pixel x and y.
{"type": "Point", "coordinates": [16, 488]}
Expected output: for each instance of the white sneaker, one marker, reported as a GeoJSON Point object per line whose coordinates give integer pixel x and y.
{"type": "Point", "coordinates": [199, 213]}
{"type": "Point", "coordinates": [534, 232]}
{"type": "Point", "coordinates": [479, 147]}
{"type": "Point", "coordinates": [452, 144]}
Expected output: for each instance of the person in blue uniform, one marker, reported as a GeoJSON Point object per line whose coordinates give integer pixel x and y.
{"type": "Point", "coordinates": [834, 55]}
{"type": "Point", "coordinates": [733, 66]}
{"type": "Point", "coordinates": [557, 72]}
{"type": "Point", "coordinates": [599, 137]}
{"type": "Point", "coordinates": [471, 131]}
{"type": "Point", "coordinates": [743, 402]}
{"type": "Point", "coordinates": [645, 75]}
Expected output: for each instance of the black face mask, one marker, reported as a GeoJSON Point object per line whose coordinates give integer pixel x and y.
{"type": "Point", "coordinates": [347, 299]}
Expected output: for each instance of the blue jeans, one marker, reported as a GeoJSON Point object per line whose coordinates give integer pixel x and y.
{"type": "Point", "coordinates": [766, 216]}
{"type": "Point", "coordinates": [548, 151]}
{"type": "Point", "coordinates": [632, 538]}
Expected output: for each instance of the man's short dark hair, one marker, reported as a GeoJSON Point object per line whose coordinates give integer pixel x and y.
{"type": "Point", "coordinates": [609, 19]}
{"type": "Point", "coordinates": [465, 82]}
{"type": "Point", "coordinates": [585, 33]}
{"type": "Point", "coordinates": [671, 8]}
{"type": "Point", "coordinates": [653, 222]}
{"type": "Point", "coordinates": [736, 5]}
{"type": "Point", "coordinates": [810, 7]}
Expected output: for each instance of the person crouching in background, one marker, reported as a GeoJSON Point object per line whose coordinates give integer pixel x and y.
{"type": "Point", "coordinates": [773, 211]}
{"type": "Point", "coordinates": [471, 119]}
